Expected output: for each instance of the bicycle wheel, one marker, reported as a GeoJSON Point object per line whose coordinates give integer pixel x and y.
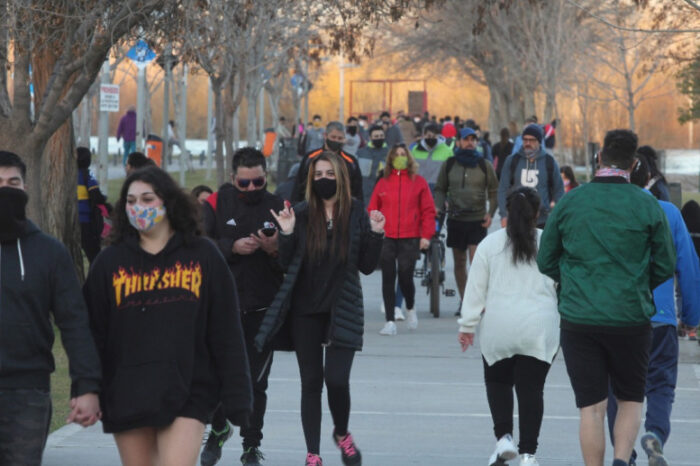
{"type": "Point", "coordinates": [435, 279]}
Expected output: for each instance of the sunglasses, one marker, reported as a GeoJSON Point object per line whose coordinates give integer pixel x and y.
{"type": "Point", "coordinates": [245, 182]}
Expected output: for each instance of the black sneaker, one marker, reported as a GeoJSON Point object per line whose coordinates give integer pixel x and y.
{"type": "Point", "coordinates": [349, 452]}
{"type": "Point", "coordinates": [211, 453]}
{"type": "Point", "coordinates": [252, 456]}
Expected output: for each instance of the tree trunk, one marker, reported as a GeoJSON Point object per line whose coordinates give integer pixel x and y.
{"type": "Point", "coordinates": [252, 120]}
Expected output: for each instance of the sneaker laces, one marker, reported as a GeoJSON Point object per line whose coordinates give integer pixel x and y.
{"type": "Point", "coordinates": [254, 452]}
{"type": "Point", "coordinates": [313, 460]}
{"type": "Point", "coordinates": [347, 446]}
{"type": "Point", "coordinates": [215, 435]}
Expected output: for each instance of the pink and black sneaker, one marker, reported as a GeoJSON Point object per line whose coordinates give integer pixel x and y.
{"type": "Point", "coordinates": [349, 452]}
{"type": "Point", "coordinates": [313, 460]}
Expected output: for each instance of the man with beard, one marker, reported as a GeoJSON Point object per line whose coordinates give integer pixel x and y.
{"type": "Point", "coordinates": [36, 280]}
{"type": "Point", "coordinates": [335, 139]}
{"type": "Point", "coordinates": [533, 167]}
{"type": "Point", "coordinates": [240, 223]}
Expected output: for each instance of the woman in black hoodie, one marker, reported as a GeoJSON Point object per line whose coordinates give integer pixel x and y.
{"type": "Point", "coordinates": [164, 315]}
{"type": "Point", "coordinates": [323, 244]}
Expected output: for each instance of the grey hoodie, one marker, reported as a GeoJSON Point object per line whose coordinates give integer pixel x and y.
{"type": "Point", "coordinates": [531, 173]}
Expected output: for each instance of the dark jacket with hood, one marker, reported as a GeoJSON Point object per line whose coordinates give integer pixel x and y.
{"type": "Point", "coordinates": [258, 276]}
{"type": "Point", "coordinates": [347, 314]}
{"type": "Point", "coordinates": [299, 190]}
{"type": "Point", "coordinates": [36, 280]}
{"type": "Point", "coordinates": [168, 331]}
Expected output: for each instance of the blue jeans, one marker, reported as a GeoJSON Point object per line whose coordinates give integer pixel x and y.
{"type": "Point", "coordinates": [661, 383]}
{"type": "Point", "coordinates": [129, 147]}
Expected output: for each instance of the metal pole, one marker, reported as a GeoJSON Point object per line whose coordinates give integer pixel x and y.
{"type": "Point", "coordinates": [103, 135]}
{"type": "Point", "coordinates": [140, 105]}
{"type": "Point", "coordinates": [261, 115]}
{"type": "Point", "coordinates": [166, 107]}
{"type": "Point", "coordinates": [182, 123]}
{"type": "Point", "coordinates": [210, 128]}
{"type": "Point", "coordinates": [306, 95]}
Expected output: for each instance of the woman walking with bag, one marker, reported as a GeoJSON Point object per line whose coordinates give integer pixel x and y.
{"type": "Point", "coordinates": [514, 307]}
{"type": "Point", "coordinates": [324, 243]}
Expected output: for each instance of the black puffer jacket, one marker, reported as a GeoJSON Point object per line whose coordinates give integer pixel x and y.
{"type": "Point", "coordinates": [347, 315]}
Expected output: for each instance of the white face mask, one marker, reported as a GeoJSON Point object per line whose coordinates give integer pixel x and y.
{"type": "Point", "coordinates": [144, 218]}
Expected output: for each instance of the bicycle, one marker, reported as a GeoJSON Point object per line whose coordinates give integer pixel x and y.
{"type": "Point", "coordinates": [432, 270]}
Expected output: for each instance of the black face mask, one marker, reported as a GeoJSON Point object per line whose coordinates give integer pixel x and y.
{"type": "Point", "coordinates": [430, 141]}
{"type": "Point", "coordinates": [378, 143]}
{"type": "Point", "coordinates": [334, 146]}
{"type": "Point", "coordinates": [13, 217]}
{"type": "Point", "coordinates": [352, 130]}
{"type": "Point", "coordinates": [252, 197]}
{"type": "Point", "coordinates": [325, 188]}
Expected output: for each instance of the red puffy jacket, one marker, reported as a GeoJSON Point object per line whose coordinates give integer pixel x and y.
{"type": "Point", "coordinates": [407, 205]}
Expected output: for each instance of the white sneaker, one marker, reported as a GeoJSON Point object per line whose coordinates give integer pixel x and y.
{"type": "Point", "coordinates": [526, 459]}
{"type": "Point", "coordinates": [505, 451]}
{"type": "Point", "coordinates": [388, 329]}
{"type": "Point", "coordinates": [412, 322]}
{"type": "Point", "coordinates": [398, 314]}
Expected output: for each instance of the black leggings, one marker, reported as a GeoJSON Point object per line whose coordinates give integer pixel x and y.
{"type": "Point", "coordinates": [405, 251]}
{"type": "Point", "coordinates": [308, 334]}
{"type": "Point", "coordinates": [528, 375]}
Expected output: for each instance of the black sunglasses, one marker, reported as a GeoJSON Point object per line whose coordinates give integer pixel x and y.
{"type": "Point", "coordinates": [245, 182]}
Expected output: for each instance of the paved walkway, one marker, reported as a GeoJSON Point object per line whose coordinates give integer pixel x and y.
{"type": "Point", "coordinates": [416, 400]}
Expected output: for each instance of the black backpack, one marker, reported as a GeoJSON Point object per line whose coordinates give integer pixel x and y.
{"type": "Point", "coordinates": [451, 161]}
{"type": "Point", "coordinates": [549, 162]}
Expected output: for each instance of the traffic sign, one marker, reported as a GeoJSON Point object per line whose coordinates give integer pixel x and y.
{"type": "Point", "coordinates": [141, 53]}
{"type": "Point", "coordinates": [109, 97]}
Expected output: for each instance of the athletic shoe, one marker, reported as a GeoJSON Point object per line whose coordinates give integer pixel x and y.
{"type": "Point", "coordinates": [211, 453]}
{"type": "Point", "coordinates": [526, 459]}
{"type": "Point", "coordinates": [252, 456]}
{"type": "Point", "coordinates": [412, 322]}
{"type": "Point", "coordinates": [398, 314]}
{"type": "Point", "coordinates": [651, 443]}
{"type": "Point", "coordinates": [349, 452]}
{"type": "Point", "coordinates": [505, 451]}
{"type": "Point", "coordinates": [692, 334]}
{"type": "Point", "coordinates": [388, 329]}
{"type": "Point", "coordinates": [313, 460]}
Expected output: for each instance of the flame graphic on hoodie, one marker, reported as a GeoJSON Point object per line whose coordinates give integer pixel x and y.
{"type": "Point", "coordinates": [177, 277]}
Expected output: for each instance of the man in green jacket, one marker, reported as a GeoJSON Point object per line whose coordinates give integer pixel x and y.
{"type": "Point", "coordinates": [466, 181]}
{"type": "Point", "coordinates": [430, 151]}
{"type": "Point", "coordinates": [608, 244]}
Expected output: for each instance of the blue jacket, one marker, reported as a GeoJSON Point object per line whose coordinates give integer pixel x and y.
{"type": "Point", "coordinates": [687, 271]}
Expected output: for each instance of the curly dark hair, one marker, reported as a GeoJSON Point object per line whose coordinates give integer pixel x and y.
{"type": "Point", "coordinates": [181, 210]}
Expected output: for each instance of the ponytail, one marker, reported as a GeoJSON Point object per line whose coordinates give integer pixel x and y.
{"type": "Point", "coordinates": [523, 206]}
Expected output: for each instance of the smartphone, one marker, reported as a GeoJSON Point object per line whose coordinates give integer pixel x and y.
{"type": "Point", "coordinates": [269, 229]}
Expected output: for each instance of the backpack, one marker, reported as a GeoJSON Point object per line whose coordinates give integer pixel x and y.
{"type": "Point", "coordinates": [100, 221]}
{"type": "Point", "coordinates": [451, 161]}
{"type": "Point", "coordinates": [549, 162]}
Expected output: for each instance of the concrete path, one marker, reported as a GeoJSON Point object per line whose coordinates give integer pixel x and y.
{"type": "Point", "coordinates": [416, 400]}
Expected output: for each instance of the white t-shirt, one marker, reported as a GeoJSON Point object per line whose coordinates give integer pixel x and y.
{"type": "Point", "coordinates": [519, 303]}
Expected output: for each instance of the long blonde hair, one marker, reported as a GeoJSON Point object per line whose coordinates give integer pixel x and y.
{"type": "Point", "coordinates": [316, 230]}
{"type": "Point", "coordinates": [412, 166]}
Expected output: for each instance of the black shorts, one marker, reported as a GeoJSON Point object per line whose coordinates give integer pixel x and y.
{"type": "Point", "coordinates": [461, 234]}
{"type": "Point", "coordinates": [595, 361]}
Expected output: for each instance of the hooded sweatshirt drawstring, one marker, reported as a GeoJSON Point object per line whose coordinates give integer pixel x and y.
{"type": "Point", "coordinates": [21, 260]}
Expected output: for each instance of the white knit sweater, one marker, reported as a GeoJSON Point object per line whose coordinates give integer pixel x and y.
{"type": "Point", "coordinates": [513, 305]}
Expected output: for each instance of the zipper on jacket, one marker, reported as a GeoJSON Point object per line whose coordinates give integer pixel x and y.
{"type": "Point", "coordinates": [398, 208]}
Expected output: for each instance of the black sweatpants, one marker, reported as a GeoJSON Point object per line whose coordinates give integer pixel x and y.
{"type": "Point", "coordinates": [308, 335]}
{"type": "Point", "coordinates": [528, 374]}
{"type": "Point", "coordinates": [260, 363]}
{"type": "Point", "coordinates": [405, 251]}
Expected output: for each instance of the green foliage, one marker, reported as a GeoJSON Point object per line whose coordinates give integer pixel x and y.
{"type": "Point", "coordinates": [688, 83]}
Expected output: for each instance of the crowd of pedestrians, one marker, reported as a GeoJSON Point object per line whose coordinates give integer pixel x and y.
{"type": "Point", "coordinates": [185, 305]}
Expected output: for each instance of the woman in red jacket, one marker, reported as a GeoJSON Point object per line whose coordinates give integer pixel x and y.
{"type": "Point", "coordinates": [404, 198]}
